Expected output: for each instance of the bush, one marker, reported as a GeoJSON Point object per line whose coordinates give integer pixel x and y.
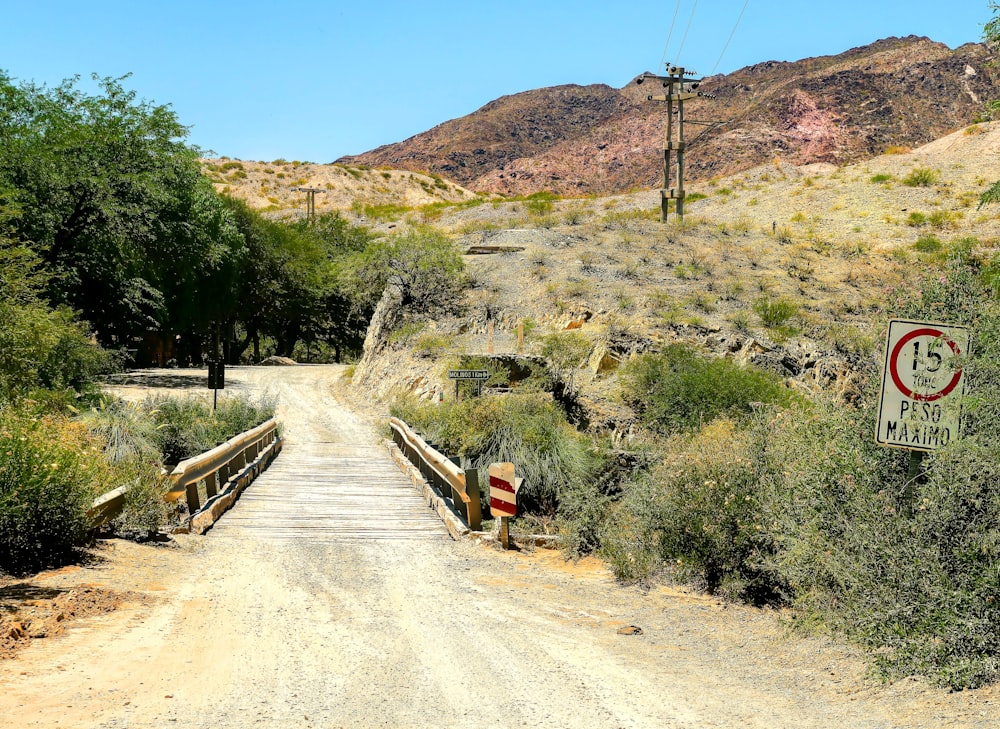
{"type": "Point", "coordinates": [42, 347]}
{"type": "Point", "coordinates": [681, 389]}
{"type": "Point", "coordinates": [802, 506]}
{"type": "Point", "coordinates": [425, 267]}
{"type": "Point", "coordinates": [540, 203]}
{"type": "Point", "coordinates": [50, 472]}
{"type": "Point", "coordinates": [775, 312]}
{"type": "Point", "coordinates": [921, 177]}
{"type": "Point", "coordinates": [913, 581]}
{"type": "Point", "coordinates": [129, 435]}
{"type": "Point", "coordinates": [183, 427]}
{"type": "Point", "coordinates": [187, 427]}
{"type": "Point", "coordinates": [927, 244]}
{"type": "Point", "coordinates": [528, 430]}
{"type": "Point", "coordinates": [704, 506]}
{"type": "Point", "coordinates": [565, 352]}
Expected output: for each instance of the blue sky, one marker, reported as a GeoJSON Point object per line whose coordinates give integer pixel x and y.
{"type": "Point", "coordinates": [318, 80]}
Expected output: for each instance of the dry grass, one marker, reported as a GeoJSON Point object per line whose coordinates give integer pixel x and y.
{"type": "Point", "coordinates": [818, 236]}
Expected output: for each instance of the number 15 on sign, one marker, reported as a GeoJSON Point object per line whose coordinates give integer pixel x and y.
{"type": "Point", "coordinates": [922, 386]}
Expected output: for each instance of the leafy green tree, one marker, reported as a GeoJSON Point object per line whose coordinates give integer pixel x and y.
{"type": "Point", "coordinates": [424, 266]}
{"type": "Point", "coordinates": [39, 346]}
{"type": "Point", "coordinates": [281, 285]}
{"type": "Point", "coordinates": [113, 200]}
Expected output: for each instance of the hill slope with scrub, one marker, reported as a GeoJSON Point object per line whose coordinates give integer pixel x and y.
{"type": "Point", "coordinates": [705, 388]}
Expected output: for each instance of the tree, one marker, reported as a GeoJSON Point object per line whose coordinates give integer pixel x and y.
{"type": "Point", "coordinates": [39, 346]}
{"type": "Point", "coordinates": [424, 267]}
{"type": "Point", "coordinates": [113, 200]}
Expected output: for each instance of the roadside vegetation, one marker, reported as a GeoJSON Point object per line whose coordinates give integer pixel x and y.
{"type": "Point", "coordinates": [740, 486]}
{"type": "Point", "coordinates": [145, 263]}
{"type": "Point", "coordinates": [715, 474]}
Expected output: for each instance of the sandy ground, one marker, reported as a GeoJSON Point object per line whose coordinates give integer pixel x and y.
{"type": "Point", "coordinates": [244, 631]}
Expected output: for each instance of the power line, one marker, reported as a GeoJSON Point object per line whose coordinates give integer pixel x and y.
{"type": "Point", "coordinates": [666, 46]}
{"type": "Point", "coordinates": [686, 30]}
{"type": "Point", "coordinates": [726, 47]}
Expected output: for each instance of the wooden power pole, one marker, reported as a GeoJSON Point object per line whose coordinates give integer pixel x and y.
{"type": "Point", "coordinates": [679, 89]}
{"type": "Point", "coordinates": [310, 200]}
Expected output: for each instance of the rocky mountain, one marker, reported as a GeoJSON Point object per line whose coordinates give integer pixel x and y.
{"type": "Point", "coordinates": [898, 92]}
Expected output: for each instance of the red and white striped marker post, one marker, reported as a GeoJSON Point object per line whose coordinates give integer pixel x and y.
{"type": "Point", "coordinates": [503, 497]}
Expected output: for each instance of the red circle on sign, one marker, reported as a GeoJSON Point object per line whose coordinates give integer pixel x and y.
{"type": "Point", "coordinates": [893, 360]}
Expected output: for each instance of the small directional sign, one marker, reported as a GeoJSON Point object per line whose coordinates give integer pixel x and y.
{"type": "Point", "coordinates": [922, 386]}
{"type": "Point", "coordinates": [468, 374]}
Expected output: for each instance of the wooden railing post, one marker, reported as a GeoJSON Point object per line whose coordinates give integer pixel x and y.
{"type": "Point", "coordinates": [212, 484]}
{"type": "Point", "coordinates": [475, 520]}
{"type": "Point", "coordinates": [193, 502]}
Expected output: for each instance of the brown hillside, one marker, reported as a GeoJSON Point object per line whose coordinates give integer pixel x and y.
{"type": "Point", "coordinates": [898, 92]}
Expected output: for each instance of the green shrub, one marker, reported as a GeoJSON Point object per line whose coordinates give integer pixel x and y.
{"type": "Point", "coordinates": [927, 244]}
{"type": "Point", "coordinates": [183, 427]}
{"type": "Point", "coordinates": [565, 352]}
{"type": "Point", "coordinates": [50, 472]}
{"type": "Point", "coordinates": [916, 219]}
{"type": "Point", "coordinates": [881, 178]}
{"type": "Point", "coordinates": [540, 203]}
{"type": "Point", "coordinates": [187, 427]}
{"type": "Point", "coordinates": [681, 389]}
{"type": "Point", "coordinates": [704, 506]}
{"type": "Point", "coordinates": [941, 219]}
{"type": "Point", "coordinates": [41, 347]}
{"type": "Point", "coordinates": [775, 312]}
{"type": "Point", "coordinates": [432, 344]}
{"type": "Point", "coordinates": [426, 267]}
{"type": "Point", "coordinates": [802, 506]}
{"type": "Point", "coordinates": [921, 177]}
{"type": "Point", "coordinates": [127, 430]}
{"type": "Point", "coordinates": [239, 413]}
{"type": "Point", "coordinates": [387, 212]}
{"type": "Point", "coordinates": [528, 430]}
{"type": "Point", "coordinates": [144, 510]}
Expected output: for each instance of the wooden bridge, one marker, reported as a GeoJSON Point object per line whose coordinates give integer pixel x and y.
{"type": "Point", "coordinates": [325, 492]}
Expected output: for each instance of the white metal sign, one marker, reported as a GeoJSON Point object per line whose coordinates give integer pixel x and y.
{"type": "Point", "coordinates": [920, 406]}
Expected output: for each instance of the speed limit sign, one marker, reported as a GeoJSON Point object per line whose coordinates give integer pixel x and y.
{"type": "Point", "coordinates": [920, 406]}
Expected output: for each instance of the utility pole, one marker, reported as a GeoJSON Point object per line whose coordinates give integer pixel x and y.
{"type": "Point", "coordinates": [679, 89]}
{"type": "Point", "coordinates": [310, 200]}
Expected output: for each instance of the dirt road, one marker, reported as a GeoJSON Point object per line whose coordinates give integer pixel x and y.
{"type": "Point", "coordinates": [273, 628]}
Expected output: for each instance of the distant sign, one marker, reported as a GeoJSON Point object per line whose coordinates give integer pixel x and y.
{"type": "Point", "coordinates": [216, 375]}
{"type": "Point", "coordinates": [468, 374]}
{"type": "Point", "coordinates": [503, 490]}
{"type": "Point", "coordinates": [920, 406]}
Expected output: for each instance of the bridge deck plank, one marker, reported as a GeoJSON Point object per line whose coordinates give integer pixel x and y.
{"type": "Point", "coordinates": [331, 492]}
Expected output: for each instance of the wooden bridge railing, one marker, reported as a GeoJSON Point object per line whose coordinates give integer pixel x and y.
{"type": "Point", "coordinates": [217, 468]}
{"type": "Point", "coordinates": [450, 480]}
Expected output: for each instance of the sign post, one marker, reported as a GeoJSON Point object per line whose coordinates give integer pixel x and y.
{"type": "Point", "coordinates": [503, 497]}
{"type": "Point", "coordinates": [216, 379]}
{"type": "Point", "coordinates": [479, 376]}
{"type": "Point", "coordinates": [920, 404]}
